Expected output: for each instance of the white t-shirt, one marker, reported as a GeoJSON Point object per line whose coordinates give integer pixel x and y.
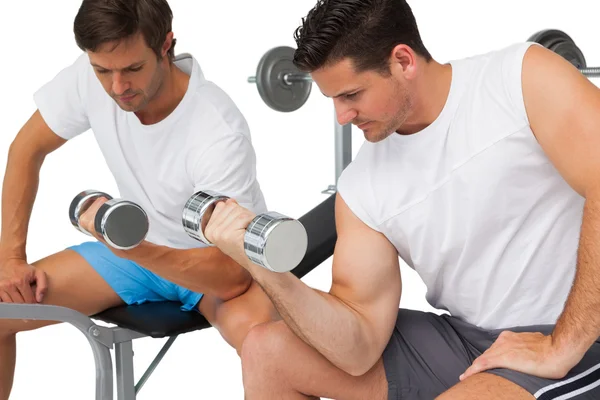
{"type": "Point", "coordinates": [204, 144]}
{"type": "Point", "coordinates": [473, 203]}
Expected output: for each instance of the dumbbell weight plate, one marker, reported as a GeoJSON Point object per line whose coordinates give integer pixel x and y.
{"type": "Point", "coordinates": [272, 88]}
{"type": "Point", "coordinates": [123, 224]}
{"type": "Point", "coordinates": [562, 44]}
{"type": "Point", "coordinates": [276, 242]}
{"type": "Point", "coordinates": [571, 53]}
{"type": "Point", "coordinates": [81, 203]}
{"type": "Point", "coordinates": [197, 212]}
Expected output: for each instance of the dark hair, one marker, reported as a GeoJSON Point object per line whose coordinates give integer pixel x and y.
{"type": "Point", "coordinates": [103, 21]}
{"type": "Point", "coordinates": [366, 31]}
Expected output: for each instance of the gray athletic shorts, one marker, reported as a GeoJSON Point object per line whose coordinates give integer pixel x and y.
{"type": "Point", "coordinates": [427, 353]}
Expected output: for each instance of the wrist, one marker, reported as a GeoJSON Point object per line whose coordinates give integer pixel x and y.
{"type": "Point", "coordinates": [252, 267]}
{"type": "Point", "coordinates": [11, 253]}
{"type": "Point", "coordinates": [565, 346]}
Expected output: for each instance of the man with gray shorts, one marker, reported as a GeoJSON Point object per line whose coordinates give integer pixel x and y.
{"type": "Point", "coordinates": [483, 175]}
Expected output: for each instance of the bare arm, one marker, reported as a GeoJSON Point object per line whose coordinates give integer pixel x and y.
{"type": "Point", "coordinates": [352, 324]}
{"type": "Point", "coordinates": [203, 270]}
{"type": "Point", "coordinates": [564, 112]}
{"type": "Point", "coordinates": [25, 157]}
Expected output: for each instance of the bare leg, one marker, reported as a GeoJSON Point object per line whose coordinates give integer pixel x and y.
{"type": "Point", "coordinates": [276, 364]}
{"type": "Point", "coordinates": [236, 317]}
{"type": "Point", "coordinates": [486, 386]}
{"type": "Point", "coordinates": [72, 283]}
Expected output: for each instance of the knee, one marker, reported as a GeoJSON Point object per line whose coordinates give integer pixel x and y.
{"type": "Point", "coordinates": [264, 348]}
{"type": "Point", "coordinates": [8, 329]}
{"type": "Point", "coordinates": [235, 318]}
{"type": "Point", "coordinates": [238, 318]}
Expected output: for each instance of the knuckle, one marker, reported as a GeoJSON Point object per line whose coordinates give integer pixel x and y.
{"type": "Point", "coordinates": [481, 363]}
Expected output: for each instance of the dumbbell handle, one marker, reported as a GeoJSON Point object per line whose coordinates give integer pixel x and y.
{"type": "Point", "coordinates": [591, 72]}
{"type": "Point", "coordinates": [272, 240]}
{"type": "Point", "coordinates": [290, 78]}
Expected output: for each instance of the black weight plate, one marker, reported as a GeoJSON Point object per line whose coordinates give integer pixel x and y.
{"type": "Point", "coordinates": [560, 43]}
{"type": "Point", "coordinates": [126, 226]}
{"type": "Point", "coordinates": [571, 53]}
{"type": "Point", "coordinates": [272, 88]}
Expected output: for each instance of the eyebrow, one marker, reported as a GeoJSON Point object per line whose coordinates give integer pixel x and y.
{"type": "Point", "coordinates": [134, 65]}
{"type": "Point", "coordinates": [343, 93]}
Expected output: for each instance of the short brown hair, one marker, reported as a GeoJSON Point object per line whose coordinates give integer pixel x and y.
{"type": "Point", "coordinates": [365, 31]}
{"type": "Point", "coordinates": [103, 21]}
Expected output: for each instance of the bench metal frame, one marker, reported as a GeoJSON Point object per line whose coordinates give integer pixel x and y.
{"type": "Point", "coordinates": [102, 340]}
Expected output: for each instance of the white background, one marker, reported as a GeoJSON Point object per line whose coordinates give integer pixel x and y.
{"type": "Point", "coordinates": [295, 151]}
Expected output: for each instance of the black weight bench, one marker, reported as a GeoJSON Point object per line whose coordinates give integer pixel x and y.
{"type": "Point", "coordinates": [159, 320]}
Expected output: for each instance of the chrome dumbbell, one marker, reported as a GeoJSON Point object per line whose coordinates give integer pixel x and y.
{"type": "Point", "coordinates": [272, 240]}
{"type": "Point", "coordinates": [121, 223]}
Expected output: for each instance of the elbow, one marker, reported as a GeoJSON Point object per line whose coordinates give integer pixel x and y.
{"type": "Point", "coordinates": [359, 367]}
{"type": "Point", "coordinates": [361, 360]}
{"type": "Point", "coordinates": [18, 153]}
{"type": "Point", "coordinates": [365, 354]}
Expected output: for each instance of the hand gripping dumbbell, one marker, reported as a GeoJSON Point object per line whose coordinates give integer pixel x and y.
{"type": "Point", "coordinates": [272, 240]}
{"type": "Point", "coordinates": [121, 223]}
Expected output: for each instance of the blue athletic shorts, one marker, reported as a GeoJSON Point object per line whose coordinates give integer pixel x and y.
{"type": "Point", "coordinates": [133, 283]}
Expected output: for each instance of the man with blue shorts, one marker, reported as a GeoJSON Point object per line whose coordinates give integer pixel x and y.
{"type": "Point", "coordinates": [165, 133]}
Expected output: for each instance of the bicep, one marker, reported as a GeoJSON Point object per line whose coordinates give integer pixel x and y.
{"type": "Point", "coordinates": [366, 274]}
{"type": "Point", "coordinates": [563, 108]}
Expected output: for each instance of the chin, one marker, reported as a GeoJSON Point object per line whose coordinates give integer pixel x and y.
{"type": "Point", "coordinates": [375, 136]}
{"type": "Point", "coordinates": [129, 107]}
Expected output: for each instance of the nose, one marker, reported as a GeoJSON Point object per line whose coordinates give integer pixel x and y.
{"type": "Point", "coordinates": [344, 114]}
{"type": "Point", "coordinates": [119, 84]}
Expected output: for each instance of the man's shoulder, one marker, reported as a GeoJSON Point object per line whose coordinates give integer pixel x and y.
{"type": "Point", "coordinates": [211, 104]}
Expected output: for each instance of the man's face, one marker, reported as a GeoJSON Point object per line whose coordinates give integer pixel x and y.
{"type": "Point", "coordinates": [377, 104]}
{"type": "Point", "coordinates": [129, 72]}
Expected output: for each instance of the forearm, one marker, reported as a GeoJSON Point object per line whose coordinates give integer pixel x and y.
{"type": "Point", "coordinates": [579, 324]}
{"type": "Point", "coordinates": [320, 319]}
{"type": "Point", "coordinates": [202, 270]}
{"type": "Point", "coordinates": [21, 181]}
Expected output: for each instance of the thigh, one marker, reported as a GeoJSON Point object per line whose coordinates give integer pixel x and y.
{"type": "Point", "coordinates": [486, 386]}
{"type": "Point", "coordinates": [581, 383]}
{"type": "Point", "coordinates": [133, 283]}
{"type": "Point", "coordinates": [424, 357]}
{"type": "Point", "coordinates": [72, 283]}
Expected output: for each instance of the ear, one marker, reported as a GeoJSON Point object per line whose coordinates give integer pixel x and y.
{"type": "Point", "coordinates": [167, 44]}
{"type": "Point", "coordinates": [403, 60]}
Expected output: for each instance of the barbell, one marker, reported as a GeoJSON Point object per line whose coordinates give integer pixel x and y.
{"type": "Point", "coordinates": [285, 88]}
{"type": "Point", "coordinates": [562, 44]}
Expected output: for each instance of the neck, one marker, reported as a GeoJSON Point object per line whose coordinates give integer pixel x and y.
{"type": "Point", "coordinates": [167, 97]}
{"type": "Point", "coordinates": [429, 96]}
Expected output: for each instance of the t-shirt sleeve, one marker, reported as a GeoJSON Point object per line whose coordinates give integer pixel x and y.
{"type": "Point", "coordinates": [353, 189]}
{"type": "Point", "coordinates": [62, 101]}
{"type": "Point", "coordinates": [227, 166]}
